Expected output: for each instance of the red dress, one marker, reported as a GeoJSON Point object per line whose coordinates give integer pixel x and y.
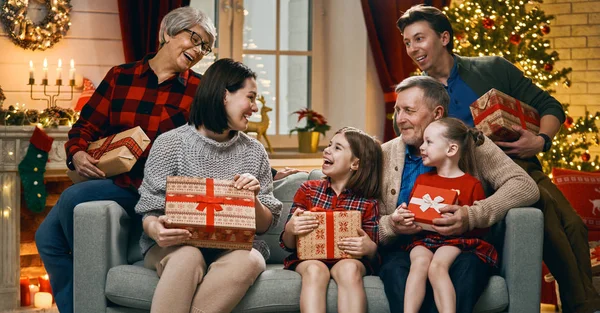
{"type": "Point", "coordinates": [318, 193]}
{"type": "Point", "coordinates": [470, 191]}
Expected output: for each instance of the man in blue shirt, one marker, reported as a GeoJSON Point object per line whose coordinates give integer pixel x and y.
{"type": "Point", "coordinates": [428, 37]}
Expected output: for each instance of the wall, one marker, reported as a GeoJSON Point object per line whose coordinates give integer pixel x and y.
{"type": "Point", "coordinates": [93, 41]}
{"type": "Point", "coordinates": [575, 35]}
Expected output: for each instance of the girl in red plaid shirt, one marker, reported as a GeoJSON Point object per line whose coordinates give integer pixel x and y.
{"type": "Point", "coordinates": [449, 147]}
{"type": "Point", "coordinates": [353, 166]}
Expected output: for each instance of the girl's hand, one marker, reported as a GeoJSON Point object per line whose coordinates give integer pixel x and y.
{"type": "Point", "coordinates": [246, 181]}
{"type": "Point", "coordinates": [404, 217]}
{"type": "Point", "coordinates": [358, 246]}
{"type": "Point", "coordinates": [301, 223]}
{"type": "Point", "coordinates": [166, 237]}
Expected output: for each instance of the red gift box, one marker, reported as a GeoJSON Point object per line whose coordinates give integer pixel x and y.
{"type": "Point", "coordinates": [495, 113]}
{"type": "Point", "coordinates": [217, 214]}
{"type": "Point", "coordinates": [426, 203]}
{"type": "Point", "coordinates": [334, 225]}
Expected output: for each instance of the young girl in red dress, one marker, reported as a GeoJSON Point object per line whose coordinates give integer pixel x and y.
{"type": "Point", "coordinates": [353, 166]}
{"type": "Point", "coordinates": [448, 146]}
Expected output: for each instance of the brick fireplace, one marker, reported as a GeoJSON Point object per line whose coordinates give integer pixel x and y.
{"type": "Point", "coordinates": [18, 253]}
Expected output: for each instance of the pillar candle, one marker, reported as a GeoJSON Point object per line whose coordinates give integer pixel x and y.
{"type": "Point", "coordinates": [31, 69]}
{"type": "Point", "coordinates": [45, 68]}
{"type": "Point", "coordinates": [59, 70]}
{"type": "Point", "coordinates": [24, 288]}
{"type": "Point", "coordinates": [43, 300]}
{"type": "Point", "coordinates": [33, 289]}
{"type": "Point", "coordinates": [72, 70]}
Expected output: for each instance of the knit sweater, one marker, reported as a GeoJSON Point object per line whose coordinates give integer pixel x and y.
{"type": "Point", "coordinates": [185, 152]}
{"type": "Point", "coordinates": [506, 184]}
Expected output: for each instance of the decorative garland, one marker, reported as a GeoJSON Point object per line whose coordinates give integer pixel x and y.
{"type": "Point", "coordinates": [17, 116]}
{"type": "Point", "coordinates": [24, 33]}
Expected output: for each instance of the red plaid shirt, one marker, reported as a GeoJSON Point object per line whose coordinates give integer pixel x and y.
{"type": "Point", "coordinates": [319, 193]}
{"type": "Point", "coordinates": [130, 96]}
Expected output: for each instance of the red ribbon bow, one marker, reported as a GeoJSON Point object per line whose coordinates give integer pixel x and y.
{"type": "Point", "coordinates": [209, 202]}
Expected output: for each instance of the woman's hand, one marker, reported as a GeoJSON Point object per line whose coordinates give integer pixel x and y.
{"type": "Point", "coordinates": [301, 223]}
{"type": "Point", "coordinates": [166, 237]}
{"type": "Point", "coordinates": [358, 246]}
{"type": "Point", "coordinates": [246, 181]}
{"type": "Point", "coordinates": [85, 165]}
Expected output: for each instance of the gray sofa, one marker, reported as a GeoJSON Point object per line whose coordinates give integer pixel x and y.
{"type": "Point", "coordinates": [110, 277]}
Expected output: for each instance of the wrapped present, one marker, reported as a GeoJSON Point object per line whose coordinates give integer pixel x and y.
{"type": "Point", "coordinates": [117, 153]}
{"type": "Point", "coordinates": [217, 214]}
{"type": "Point", "coordinates": [495, 113]}
{"type": "Point", "coordinates": [426, 203]}
{"type": "Point", "coordinates": [334, 225]}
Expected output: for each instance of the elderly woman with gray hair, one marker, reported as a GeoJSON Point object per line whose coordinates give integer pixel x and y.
{"type": "Point", "coordinates": [155, 93]}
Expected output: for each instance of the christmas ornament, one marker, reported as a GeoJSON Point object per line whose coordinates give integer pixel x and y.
{"type": "Point", "coordinates": [568, 122]}
{"type": "Point", "coordinates": [567, 83]}
{"type": "Point", "coordinates": [29, 35]}
{"type": "Point", "coordinates": [488, 23]}
{"type": "Point", "coordinates": [515, 39]}
{"type": "Point", "coordinates": [459, 36]}
{"type": "Point", "coordinates": [585, 156]}
{"type": "Point", "coordinates": [548, 67]}
{"type": "Point", "coordinates": [545, 29]}
{"type": "Point", "coordinates": [32, 168]}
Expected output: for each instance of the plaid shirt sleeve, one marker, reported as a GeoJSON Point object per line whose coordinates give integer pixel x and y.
{"type": "Point", "coordinates": [370, 222]}
{"type": "Point", "coordinates": [302, 202]}
{"type": "Point", "coordinates": [94, 118]}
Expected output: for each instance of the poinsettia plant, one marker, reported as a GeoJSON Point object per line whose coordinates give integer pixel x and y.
{"type": "Point", "coordinates": [314, 122]}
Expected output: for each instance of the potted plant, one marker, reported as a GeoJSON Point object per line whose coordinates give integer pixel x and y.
{"type": "Point", "coordinates": [308, 136]}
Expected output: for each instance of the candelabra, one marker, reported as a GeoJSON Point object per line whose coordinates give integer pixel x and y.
{"type": "Point", "coordinates": [51, 99]}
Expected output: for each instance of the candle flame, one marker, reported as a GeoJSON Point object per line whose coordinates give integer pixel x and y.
{"type": "Point", "coordinates": [59, 63]}
{"type": "Point", "coordinates": [72, 63]}
{"type": "Point", "coordinates": [30, 64]}
{"type": "Point", "coordinates": [45, 63]}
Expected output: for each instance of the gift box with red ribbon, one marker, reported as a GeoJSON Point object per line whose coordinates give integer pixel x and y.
{"type": "Point", "coordinates": [495, 113]}
{"type": "Point", "coordinates": [426, 203]}
{"type": "Point", "coordinates": [116, 153]}
{"type": "Point", "coordinates": [217, 214]}
{"type": "Point", "coordinates": [334, 225]}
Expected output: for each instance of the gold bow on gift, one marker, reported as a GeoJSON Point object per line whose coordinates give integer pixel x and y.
{"type": "Point", "coordinates": [427, 202]}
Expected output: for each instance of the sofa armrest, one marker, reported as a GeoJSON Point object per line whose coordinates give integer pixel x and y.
{"type": "Point", "coordinates": [100, 243]}
{"type": "Point", "coordinates": [521, 263]}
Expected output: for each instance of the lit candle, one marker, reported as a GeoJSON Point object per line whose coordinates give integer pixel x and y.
{"type": "Point", "coordinates": [43, 300]}
{"type": "Point", "coordinates": [30, 69]}
{"type": "Point", "coordinates": [24, 288]}
{"type": "Point", "coordinates": [33, 289]}
{"type": "Point", "coordinates": [45, 284]}
{"type": "Point", "coordinates": [59, 70]}
{"type": "Point", "coordinates": [72, 70]}
{"type": "Point", "coordinates": [45, 68]}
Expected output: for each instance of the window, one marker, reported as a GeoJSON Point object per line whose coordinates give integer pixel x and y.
{"type": "Point", "coordinates": [275, 38]}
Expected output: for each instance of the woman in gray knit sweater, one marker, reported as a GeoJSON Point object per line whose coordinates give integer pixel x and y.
{"type": "Point", "coordinates": [211, 145]}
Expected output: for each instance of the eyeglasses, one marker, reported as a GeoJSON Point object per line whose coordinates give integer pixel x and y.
{"type": "Point", "coordinates": [197, 41]}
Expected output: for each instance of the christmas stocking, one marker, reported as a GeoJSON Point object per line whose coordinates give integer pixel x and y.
{"type": "Point", "coordinates": [32, 169]}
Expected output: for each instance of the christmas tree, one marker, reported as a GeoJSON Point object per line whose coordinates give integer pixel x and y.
{"type": "Point", "coordinates": [515, 29]}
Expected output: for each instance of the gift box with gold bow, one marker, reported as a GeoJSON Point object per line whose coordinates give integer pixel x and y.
{"type": "Point", "coordinates": [217, 214]}
{"type": "Point", "coordinates": [495, 113]}
{"type": "Point", "coordinates": [117, 153]}
{"type": "Point", "coordinates": [426, 203]}
{"type": "Point", "coordinates": [334, 225]}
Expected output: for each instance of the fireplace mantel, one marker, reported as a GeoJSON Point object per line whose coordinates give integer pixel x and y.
{"type": "Point", "coordinates": [14, 141]}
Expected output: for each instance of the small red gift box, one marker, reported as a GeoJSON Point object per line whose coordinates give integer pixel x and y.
{"type": "Point", "coordinates": [495, 113]}
{"type": "Point", "coordinates": [217, 214]}
{"type": "Point", "coordinates": [334, 225]}
{"type": "Point", "coordinates": [426, 203]}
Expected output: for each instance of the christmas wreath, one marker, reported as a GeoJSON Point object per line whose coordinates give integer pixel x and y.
{"type": "Point", "coordinates": [24, 33]}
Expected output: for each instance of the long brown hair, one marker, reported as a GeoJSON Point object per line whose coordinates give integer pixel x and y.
{"type": "Point", "coordinates": [366, 180]}
{"type": "Point", "coordinates": [467, 139]}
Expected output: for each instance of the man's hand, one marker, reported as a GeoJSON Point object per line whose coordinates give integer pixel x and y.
{"type": "Point", "coordinates": [166, 237]}
{"type": "Point", "coordinates": [301, 223]}
{"type": "Point", "coordinates": [527, 146]}
{"type": "Point", "coordinates": [358, 246]}
{"type": "Point", "coordinates": [403, 221]}
{"type": "Point", "coordinates": [85, 165]}
{"type": "Point", "coordinates": [286, 172]}
{"type": "Point", "coordinates": [455, 221]}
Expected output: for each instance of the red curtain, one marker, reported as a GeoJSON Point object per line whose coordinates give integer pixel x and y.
{"type": "Point", "coordinates": [140, 21]}
{"type": "Point", "coordinates": [391, 60]}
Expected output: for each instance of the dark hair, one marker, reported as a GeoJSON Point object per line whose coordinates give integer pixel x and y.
{"type": "Point", "coordinates": [208, 107]}
{"type": "Point", "coordinates": [437, 20]}
{"type": "Point", "coordinates": [366, 181]}
{"type": "Point", "coordinates": [467, 139]}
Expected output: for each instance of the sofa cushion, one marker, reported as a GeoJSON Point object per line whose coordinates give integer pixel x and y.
{"type": "Point", "coordinates": [131, 286]}
{"type": "Point", "coordinates": [494, 297]}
